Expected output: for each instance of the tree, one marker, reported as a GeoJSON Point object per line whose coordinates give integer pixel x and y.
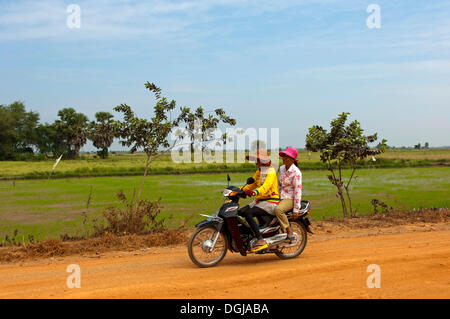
{"type": "Point", "coordinates": [102, 132]}
{"type": "Point", "coordinates": [50, 140]}
{"type": "Point", "coordinates": [73, 128]}
{"type": "Point", "coordinates": [7, 134]}
{"type": "Point", "coordinates": [343, 145]}
{"type": "Point", "coordinates": [17, 130]}
{"type": "Point", "coordinates": [427, 145]}
{"type": "Point", "coordinates": [149, 135]}
{"type": "Point", "coordinates": [152, 136]}
{"type": "Point", "coordinates": [200, 127]}
{"type": "Point", "coordinates": [417, 146]}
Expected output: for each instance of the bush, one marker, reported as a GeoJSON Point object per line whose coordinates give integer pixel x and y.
{"type": "Point", "coordinates": [132, 219]}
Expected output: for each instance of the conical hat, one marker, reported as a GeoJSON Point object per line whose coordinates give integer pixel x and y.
{"type": "Point", "coordinates": [261, 154]}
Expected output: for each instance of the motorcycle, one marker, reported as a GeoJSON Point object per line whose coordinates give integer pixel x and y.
{"type": "Point", "coordinates": [227, 230]}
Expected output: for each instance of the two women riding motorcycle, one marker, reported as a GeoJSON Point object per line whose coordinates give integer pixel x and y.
{"type": "Point", "coordinates": [236, 230]}
{"type": "Point", "coordinates": [274, 196]}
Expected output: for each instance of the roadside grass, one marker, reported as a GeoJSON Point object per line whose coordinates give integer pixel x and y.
{"type": "Point", "coordinates": [43, 209]}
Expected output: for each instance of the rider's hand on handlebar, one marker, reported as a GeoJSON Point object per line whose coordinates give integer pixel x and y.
{"type": "Point", "coordinates": [250, 193]}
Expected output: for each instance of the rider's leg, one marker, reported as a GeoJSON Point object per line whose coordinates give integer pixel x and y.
{"type": "Point", "coordinates": [264, 219]}
{"type": "Point", "coordinates": [284, 206]}
{"type": "Point", "coordinates": [243, 210]}
{"type": "Point", "coordinates": [249, 214]}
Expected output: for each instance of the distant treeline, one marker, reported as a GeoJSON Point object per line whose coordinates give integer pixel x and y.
{"type": "Point", "coordinates": [23, 137]}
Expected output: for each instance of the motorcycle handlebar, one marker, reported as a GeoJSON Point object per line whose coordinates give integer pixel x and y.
{"type": "Point", "coordinates": [242, 193]}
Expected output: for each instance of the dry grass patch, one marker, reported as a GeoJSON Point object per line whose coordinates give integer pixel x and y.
{"type": "Point", "coordinates": [106, 242]}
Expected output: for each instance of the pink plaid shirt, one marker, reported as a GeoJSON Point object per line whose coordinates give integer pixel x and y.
{"type": "Point", "coordinates": [290, 185]}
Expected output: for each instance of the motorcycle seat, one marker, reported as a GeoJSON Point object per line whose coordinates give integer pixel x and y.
{"type": "Point", "coordinates": [304, 208]}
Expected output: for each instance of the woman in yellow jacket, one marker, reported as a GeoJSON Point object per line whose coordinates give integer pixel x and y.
{"type": "Point", "coordinates": [265, 188]}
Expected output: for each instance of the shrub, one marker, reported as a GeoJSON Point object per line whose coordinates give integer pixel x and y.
{"type": "Point", "coordinates": [131, 218]}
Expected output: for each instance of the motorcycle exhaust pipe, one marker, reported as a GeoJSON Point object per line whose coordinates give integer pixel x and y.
{"type": "Point", "coordinates": [278, 241]}
{"type": "Point", "coordinates": [275, 239]}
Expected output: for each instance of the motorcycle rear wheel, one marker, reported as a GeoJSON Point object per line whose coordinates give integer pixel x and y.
{"type": "Point", "coordinates": [292, 252]}
{"type": "Point", "coordinates": [199, 244]}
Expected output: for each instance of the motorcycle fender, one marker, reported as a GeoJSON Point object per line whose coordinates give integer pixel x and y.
{"type": "Point", "coordinates": [305, 221]}
{"type": "Point", "coordinates": [206, 222]}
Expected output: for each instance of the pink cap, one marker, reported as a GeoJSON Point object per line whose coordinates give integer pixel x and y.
{"type": "Point", "coordinates": [291, 152]}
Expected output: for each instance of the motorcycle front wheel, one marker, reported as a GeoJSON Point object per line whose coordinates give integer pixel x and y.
{"type": "Point", "coordinates": [201, 250]}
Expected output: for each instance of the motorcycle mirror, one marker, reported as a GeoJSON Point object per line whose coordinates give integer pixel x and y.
{"type": "Point", "coordinates": [228, 179]}
{"type": "Point", "coordinates": [250, 180]}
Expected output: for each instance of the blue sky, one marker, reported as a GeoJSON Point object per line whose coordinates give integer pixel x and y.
{"type": "Point", "coordinates": [285, 64]}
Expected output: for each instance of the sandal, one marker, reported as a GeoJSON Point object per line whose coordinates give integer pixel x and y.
{"type": "Point", "coordinates": [290, 238]}
{"type": "Point", "coordinates": [259, 247]}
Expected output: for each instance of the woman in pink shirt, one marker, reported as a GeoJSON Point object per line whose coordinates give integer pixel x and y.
{"type": "Point", "coordinates": [290, 189]}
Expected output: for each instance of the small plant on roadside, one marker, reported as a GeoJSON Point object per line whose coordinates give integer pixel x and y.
{"type": "Point", "coordinates": [13, 240]}
{"type": "Point", "coordinates": [384, 207]}
{"type": "Point", "coordinates": [132, 219]}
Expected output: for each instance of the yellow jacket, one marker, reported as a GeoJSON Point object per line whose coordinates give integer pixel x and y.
{"type": "Point", "coordinates": [265, 185]}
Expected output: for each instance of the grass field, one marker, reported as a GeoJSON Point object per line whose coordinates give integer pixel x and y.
{"type": "Point", "coordinates": [133, 164]}
{"type": "Point", "coordinates": [48, 208]}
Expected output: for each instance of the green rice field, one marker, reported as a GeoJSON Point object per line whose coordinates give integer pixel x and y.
{"type": "Point", "coordinates": [49, 208]}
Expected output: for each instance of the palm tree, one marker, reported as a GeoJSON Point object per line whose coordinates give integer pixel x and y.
{"type": "Point", "coordinates": [102, 132]}
{"type": "Point", "coordinates": [72, 126]}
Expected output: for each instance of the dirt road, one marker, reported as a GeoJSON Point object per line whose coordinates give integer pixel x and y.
{"type": "Point", "coordinates": [414, 263]}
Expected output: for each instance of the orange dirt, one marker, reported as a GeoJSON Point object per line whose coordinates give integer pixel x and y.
{"type": "Point", "coordinates": [414, 262]}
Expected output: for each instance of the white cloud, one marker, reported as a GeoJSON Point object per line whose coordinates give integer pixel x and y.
{"type": "Point", "coordinates": [26, 19]}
